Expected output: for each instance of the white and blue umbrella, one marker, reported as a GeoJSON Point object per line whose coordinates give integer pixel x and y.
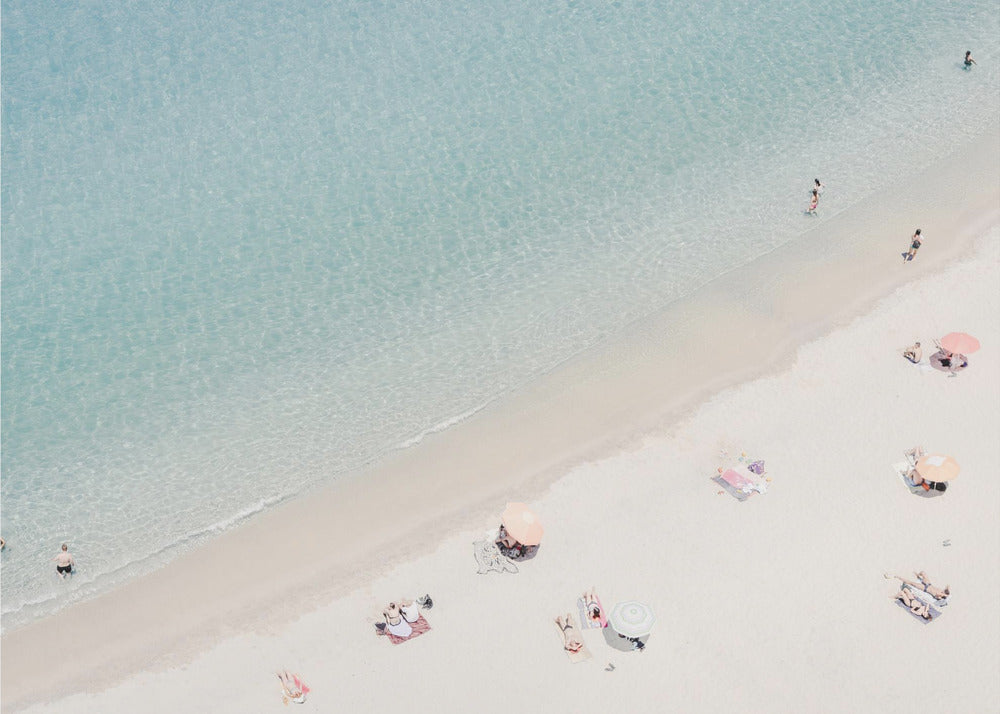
{"type": "Point", "coordinates": [632, 619]}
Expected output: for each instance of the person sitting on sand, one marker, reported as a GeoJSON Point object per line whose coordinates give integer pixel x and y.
{"type": "Point", "coordinates": [968, 60]}
{"type": "Point", "coordinates": [916, 605]}
{"type": "Point", "coordinates": [914, 479]}
{"type": "Point", "coordinates": [398, 617]}
{"type": "Point", "coordinates": [914, 353]}
{"type": "Point", "coordinates": [504, 539]}
{"type": "Point", "coordinates": [572, 642]}
{"type": "Point", "coordinates": [64, 562]}
{"type": "Point", "coordinates": [925, 585]}
{"type": "Point", "coordinates": [510, 548]}
{"type": "Point", "coordinates": [956, 364]}
{"type": "Point", "coordinates": [292, 688]}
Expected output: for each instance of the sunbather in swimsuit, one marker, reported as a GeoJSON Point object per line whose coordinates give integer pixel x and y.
{"type": "Point", "coordinates": [914, 353]}
{"type": "Point", "coordinates": [913, 479]}
{"type": "Point", "coordinates": [914, 454]}
{"type": "Point", "coordinates": [594, 611]}
{"type": "Point", "coordinates": [410, 610]}
{"type": "Point", "coordinates": [292, 688]}
{"type": "Point", "coordinates": [914, 603]}
{"type": "Point", "coordinates": [571, 636]}
{"type": "Point", "coordinates": [924, 585]}
{"type": "Point", "coordinates": [395, 622]}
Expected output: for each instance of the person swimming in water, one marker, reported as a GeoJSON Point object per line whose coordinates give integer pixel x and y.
{"type": "Point", "coordinates": [968, 59]}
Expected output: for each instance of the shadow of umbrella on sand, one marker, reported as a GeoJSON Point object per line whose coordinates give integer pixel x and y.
{"type": "Point", "coordinates": [632, 620]}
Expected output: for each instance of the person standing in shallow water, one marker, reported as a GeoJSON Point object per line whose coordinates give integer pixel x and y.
{"type": "Point", "coordinates": [64, 562]}
{"type": "Point", "coordinates": [968, 59]}
{"type": "Point", "coordinates": [813, 203]}
{"type": "Point", "coordinates": [915, 242]}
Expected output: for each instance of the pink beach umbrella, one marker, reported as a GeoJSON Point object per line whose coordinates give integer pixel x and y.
{"type": "Point", "coordinates": [959, 343]}
{"type": "Point", "coordinates": [937, 467]}
{"type": "Point", "coordinates": [522, 524]}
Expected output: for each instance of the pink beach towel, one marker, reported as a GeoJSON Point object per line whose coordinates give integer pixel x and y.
{"type": "Point", "coordinates": [586, 621]}
{"type": "Point", "coordinates": [737, 480]}
{"type": "Point", "coordinates": [419, 627]}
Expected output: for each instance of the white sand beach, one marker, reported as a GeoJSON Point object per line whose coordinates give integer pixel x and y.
{"type": "Point", "coordinates": [776, 604]}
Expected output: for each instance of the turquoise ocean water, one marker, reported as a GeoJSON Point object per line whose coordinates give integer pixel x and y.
{"type": "Point", "coordinates": [250, 246]}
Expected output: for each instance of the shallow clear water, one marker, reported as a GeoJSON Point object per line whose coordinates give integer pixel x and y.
{"type": "Point", "coordinates": [247, 248]}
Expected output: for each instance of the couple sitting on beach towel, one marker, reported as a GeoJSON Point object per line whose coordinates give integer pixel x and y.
{"type": "Point", "coordinates": [921, 598]}
{"type": "Point", "coordinates": [403, 621]}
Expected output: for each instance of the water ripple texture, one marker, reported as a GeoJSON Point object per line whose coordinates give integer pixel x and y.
{"type": "Point", "coordinates": [250, 246]}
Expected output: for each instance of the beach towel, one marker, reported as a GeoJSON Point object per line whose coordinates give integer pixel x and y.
{"type": "Point", "coordinates": [490, 559]}
{"type": "Point", "coordinates": [902, 469]}
{"type": "Point", "coordinates": [418, 628]}
{"type": "Point", "coordinates": [581, 655]}
{"type": "Point", "coordinates": [731, 490]}
{"type": "Point", "coordinates": [301, 685]}
{"type": "Point", "coordinates": [922, 366]}
{"type": "Point", "coordinates": [586, 621]}
{"type": "Point", "coordinates": [945, 362]}
{"type": "Point", "coordinates": [934, 612]}
{"type": "Point", "coordinates": [739, 484]}
{"type": "Point", "coordinates": [287, 696]}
